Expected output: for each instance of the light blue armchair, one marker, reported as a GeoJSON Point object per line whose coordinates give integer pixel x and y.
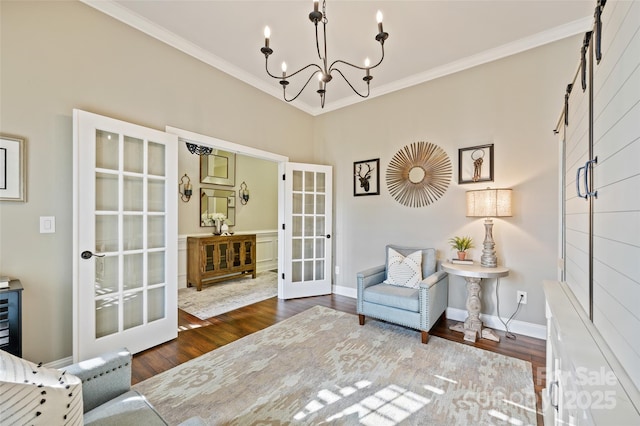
{"type": "Point", "coordinates": [417, 308]}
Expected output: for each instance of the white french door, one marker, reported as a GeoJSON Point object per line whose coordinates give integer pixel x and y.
{"type": "Point", "coordinates": [306, 258]}
{"type": "Point", "coordinates": [125, 236]}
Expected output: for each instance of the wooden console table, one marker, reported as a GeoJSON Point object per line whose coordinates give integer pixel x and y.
{"type": "Point", "coordinates": [218, 258]}
{"type": "Point", "coordinates": [473, 274]}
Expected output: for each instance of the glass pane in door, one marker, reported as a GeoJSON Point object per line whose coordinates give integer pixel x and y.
{"type": "Point", "coordinates": [106, 191]}
{"type": "Point", "coordinates": [155, 304]}
{"type": "Point", "coordinates": [133, 155]}
{"type": "Point", "coordinates": [133, 271]}
{"type": "Point", "coordinates": [132, 310]}
{"type": "Point", "coordinates": [107, 150]}
{"type": "Point", "coordinates": [106, 316]}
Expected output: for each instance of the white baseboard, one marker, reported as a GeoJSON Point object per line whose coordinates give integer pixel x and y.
{"type": "Point", "coordinates": [519, 327]}
{"type": "Point", "coordinates": [60, 363]}
{"type": "Point", "coordinates": [345, 291]}
{"type": "Point", "coordinates": [515, 326]}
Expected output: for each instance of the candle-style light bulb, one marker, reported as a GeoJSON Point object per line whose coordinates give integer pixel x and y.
{"type": "Point", "coordinates": [379, 19]}
{"type": "Point", "coordinates": [284, 69]}
{"type": "Point", "coordinates": [315, 5]}
{"type": "Point", "coordinates": [320, 81]}
{"type": "Point", "coordinates": [367, 62]}
{"type": "Point", "coordinates": [267, 34]}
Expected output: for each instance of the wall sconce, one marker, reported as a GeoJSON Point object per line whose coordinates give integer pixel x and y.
{"type": "Point", "coordinates": [489, 203]}
{"type": "Point", "coordinates": [187, 189]}
{"type": "Point", "coordinates": [243, 193]}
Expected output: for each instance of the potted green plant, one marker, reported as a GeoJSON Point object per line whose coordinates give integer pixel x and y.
{"type": "Point", "coordinates": [461, 244]}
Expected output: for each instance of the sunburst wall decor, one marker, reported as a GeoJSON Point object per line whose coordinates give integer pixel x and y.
{"type": "Point", "coordinates": [419, 174]}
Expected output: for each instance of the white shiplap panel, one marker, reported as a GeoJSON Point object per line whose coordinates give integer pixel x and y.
{"type": "Point", "coordinates": [624, 195]}
{"type": "Point", "coordinates": [622, 257]}
{"type": "Point", "coordinates": [607, 225]}
{"type": "Point", "coordinates": [613, 169]}
{"type": "Point", "coordinates": [576, 209]}
{"type": "Point", "coordinates": [611, 138]}
{"type": "Point", "coordinates": [577, 134]}
{"type": "Point", "coordinates": [619, 53]}
{"type": "Point", "coordinates": [620, 344]}
{"type": "Point", "coordinates": [616, 254]}
{"type": "Point", "coordinates": [625, 290]}
{"type": "Point", "coordinates": [623, 105]}
{"type": "Point", "coordinates": [577, 264]}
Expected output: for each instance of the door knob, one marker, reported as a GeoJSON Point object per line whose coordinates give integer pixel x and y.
{"type": "Point", "coordinates": [88, 255]}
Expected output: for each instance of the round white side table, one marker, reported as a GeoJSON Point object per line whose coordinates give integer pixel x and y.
{"type": "Point", "coordinates": [473, 275]}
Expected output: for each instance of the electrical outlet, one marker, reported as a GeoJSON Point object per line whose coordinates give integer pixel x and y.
{"type": "Point", "coordinates": [523, 295]}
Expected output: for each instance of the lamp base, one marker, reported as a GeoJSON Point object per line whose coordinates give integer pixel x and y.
{"type": "Point", "coordinates": [488, 258]}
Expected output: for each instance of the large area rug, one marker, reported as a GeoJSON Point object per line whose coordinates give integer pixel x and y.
{"type": "Point", "coordinates": [216, 299]}
{"type": "Point", "coordinates": [320, 366]}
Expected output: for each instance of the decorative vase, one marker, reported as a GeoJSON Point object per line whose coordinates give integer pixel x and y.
{"type": "Point", "coordinates": [224, 228]}
{"type": "Point", "coordinates": [216, 227]}
{"type": "Point", "coordinates": [462, 255]}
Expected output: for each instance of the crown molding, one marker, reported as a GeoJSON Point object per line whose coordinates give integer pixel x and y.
{"type": "Point", "coordinates": [136, 21]}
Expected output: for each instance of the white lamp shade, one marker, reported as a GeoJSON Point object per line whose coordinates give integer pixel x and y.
{"type": "Point", "coordinates": [489, 203]}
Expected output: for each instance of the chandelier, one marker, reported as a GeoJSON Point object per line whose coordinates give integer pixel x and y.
{"type": "Point", "coordinates": [323, 71]}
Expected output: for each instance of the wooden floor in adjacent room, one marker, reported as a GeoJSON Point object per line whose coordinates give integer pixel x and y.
{"type": "Point", "coordinates": [197, 337]}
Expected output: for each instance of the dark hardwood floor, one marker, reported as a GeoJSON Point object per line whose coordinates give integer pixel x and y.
{"type": "Point", "coordinates": [197, 337]}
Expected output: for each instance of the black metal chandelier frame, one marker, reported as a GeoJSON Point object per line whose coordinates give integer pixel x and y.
{"type": "Point", "coordinates": [323, 71]}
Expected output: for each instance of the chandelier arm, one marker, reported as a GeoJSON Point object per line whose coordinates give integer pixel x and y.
{"type": "Point", "coordinates": [302, 69]}
{"type": "Point", "coordinates": [351, 85]}
{"type": "Point", "coordinates": [266, 67]}
{"type": "Point", "coordinates": [340, 61]}
{"type": "Point", "coordinates": [284, 91]}
{"type": "Point", "coordinates": [279, 77]}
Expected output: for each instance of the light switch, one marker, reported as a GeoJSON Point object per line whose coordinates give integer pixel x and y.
{"type": "Point", "coordinates": [47, 224]}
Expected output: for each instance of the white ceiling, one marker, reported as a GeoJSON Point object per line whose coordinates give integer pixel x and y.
{"type": "Point", "coordinates": [427, 39]}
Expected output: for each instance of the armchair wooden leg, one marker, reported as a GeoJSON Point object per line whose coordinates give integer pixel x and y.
{"type": "Point", "coordinates": [361, 319]}
{"type": "Point", "coordinates": [425, 336]}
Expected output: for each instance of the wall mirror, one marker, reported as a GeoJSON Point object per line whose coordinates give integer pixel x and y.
{"type": "Point", "coordinates": [218, 168]}
{"type": "Point", "coordinates": [217, 201]}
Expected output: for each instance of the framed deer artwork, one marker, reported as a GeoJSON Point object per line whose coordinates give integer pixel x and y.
{"type": "Point", "coordinates": [366, 177]}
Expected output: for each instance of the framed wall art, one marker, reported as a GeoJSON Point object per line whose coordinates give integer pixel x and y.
{"type": "Point", "coordinates": [475, 164]}
{"type": "Point", "coordinates": [12, 169]}
{"type": "Point", "coordinates": [419, 174]}
{"type": "Point", "coordinates": [366, 177]}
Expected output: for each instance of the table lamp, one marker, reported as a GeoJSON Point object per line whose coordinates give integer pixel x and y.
{"type": "Point", "coordinates": [489, 203]}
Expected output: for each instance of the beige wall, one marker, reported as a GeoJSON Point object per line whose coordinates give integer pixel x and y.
{"type": "Point", "coordinates": [57, 56]}
{"type": "Point", "coordinates": [513, 103]}
{"type": "Point", "coordinates": [259, 214]}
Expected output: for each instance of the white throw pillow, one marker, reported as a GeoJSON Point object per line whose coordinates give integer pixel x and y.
{"type": "Point", "coordinates": [404, 271]}
{"type": "Point", "coordinates": [36, 395]}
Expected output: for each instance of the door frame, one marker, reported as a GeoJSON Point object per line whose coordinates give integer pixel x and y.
{"type": "Point", "coordinates": [281, 160]}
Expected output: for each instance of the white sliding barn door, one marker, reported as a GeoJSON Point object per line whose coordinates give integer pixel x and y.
{"type": "Point", "coordinates": [577, 217]}
{"type": "Point", "coordinates": [616, 213]}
